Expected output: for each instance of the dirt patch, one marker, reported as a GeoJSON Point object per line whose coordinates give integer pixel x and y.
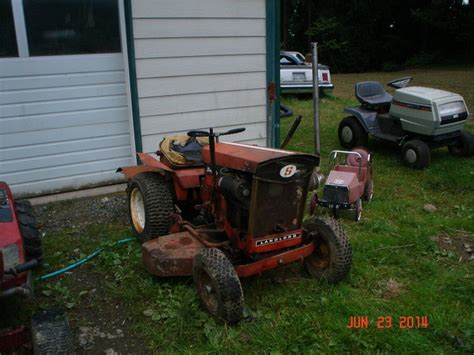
{"type": "Point", "coordinates": [461, 244]}
{"type": "Point", "coordinates": [390, 288]}
{"type": "Point", "coordinates": [79, 213]}
{"type": "Point", "coordinates": [99, 321]}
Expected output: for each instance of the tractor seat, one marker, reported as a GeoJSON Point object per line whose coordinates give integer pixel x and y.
{"type": "Point", "coordinates": [182, 150]}
{"type": "Point", "coordinates": [372, 95]}
{"type": "Point", "coordinates": [353, 160]}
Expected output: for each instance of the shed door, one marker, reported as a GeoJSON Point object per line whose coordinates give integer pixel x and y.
{"type": "Point", "coordinates": [64, 113]}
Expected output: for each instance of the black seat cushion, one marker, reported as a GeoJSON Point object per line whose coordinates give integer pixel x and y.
{"type": "Point", "coordinates": [371, 94]}
{"type": "Point", "coordinates": [191, 150]}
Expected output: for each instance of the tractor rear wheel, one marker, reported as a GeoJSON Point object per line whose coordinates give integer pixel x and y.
{"type": "Point", "coordinates": [29, 231]}
{"type": "Point", "coordinates": [150, 205]}
{"type": "Point", "coordinates": [416, 154]}
{"type": "Point", "coordinates": [332, 256]}
{"type": "Point", "coordinates": [369, 191]}
{"type": "Point", "coordinates": [218, 286]}
{"type": "Point", "coordinates": [358, 210]}
{"type": "Point", "coordinates": [351, 133]}
{"type": "Point", "coordinates": [464, 147]}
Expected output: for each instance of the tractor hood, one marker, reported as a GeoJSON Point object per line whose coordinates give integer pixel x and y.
{"type": "Point", "coordinates": [248, 157]}
{"type": "Point", "coordinates": [421, 95]}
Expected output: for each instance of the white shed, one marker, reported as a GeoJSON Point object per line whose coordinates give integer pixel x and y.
{"type": "Point", "coordinates": [85, 84]}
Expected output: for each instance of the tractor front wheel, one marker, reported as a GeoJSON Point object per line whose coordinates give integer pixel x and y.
{"type": "Point", "coordinates": [218, 286]}
{"type": "Point", "coordinates": [150, 205]}
{"type": "Point", "coordinates": [416, 154]}
{"type": "Point", "coordinates": [351, 133]}
{"type": "Point", "coordinates": [332, 256]}
{"type": "Point", "coordinates": [29, 230]}
{"type": "Point", "coordinates": [464, 147]}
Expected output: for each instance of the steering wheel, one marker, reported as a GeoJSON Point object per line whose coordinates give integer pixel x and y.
{"type": "Point", "coordinates": [196, 133]}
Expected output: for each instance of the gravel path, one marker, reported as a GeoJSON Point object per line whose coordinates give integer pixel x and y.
{"type": "Point", "coordinates": [78, 213]}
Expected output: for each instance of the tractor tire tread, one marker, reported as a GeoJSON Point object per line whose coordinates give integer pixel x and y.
{"type": "Point", "coordinates": [51, 333]}
{"type": "Point", "coordinates": [214, 262]}
{"type": "Point", "coordinates": [159, 204]}
{"type": "Point", "coordinates": [29, 231]}
{"type": "Point", "coordinates": [360, 137]}
{"type": "Point", "coordinates": [343, 249]}
{"type": "Point", "coordinates": [423, 154]}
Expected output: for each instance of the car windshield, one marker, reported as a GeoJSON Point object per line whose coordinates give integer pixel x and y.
{"type": "Point", "coordinates": [300, 58]}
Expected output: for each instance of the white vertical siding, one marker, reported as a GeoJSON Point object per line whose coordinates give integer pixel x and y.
{"type": "Point", "coordinates": [64, 122]}
{"type": "Point", "coordinates": [200, 64]}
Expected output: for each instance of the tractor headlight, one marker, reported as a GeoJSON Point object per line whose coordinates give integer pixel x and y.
{"type": "Point", "coordinates": [316, 180]}
{"type": "Point", "coordinates": [11, 256]}
{"type": "Point", "coordinates": [452, 108]}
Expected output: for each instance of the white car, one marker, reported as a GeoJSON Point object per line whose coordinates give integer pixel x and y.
{"type": "Point", "coordinates": [296, 75]}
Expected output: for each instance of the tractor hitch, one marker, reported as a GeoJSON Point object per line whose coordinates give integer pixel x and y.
{"type": "Point", "coordinates": [22, 267]}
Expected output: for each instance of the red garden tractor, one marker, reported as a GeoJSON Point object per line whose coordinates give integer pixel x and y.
{"type": "Point", "coordinates": [349, 181]}
{"type": "Point", "coordinates": [20, 251]}
{"type": "Point", "coordinates": [222, 211]}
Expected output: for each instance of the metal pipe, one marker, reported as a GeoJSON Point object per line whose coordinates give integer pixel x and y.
{"type": "Point", "coordinates": [291, 132]}
{"type": "Point", "coordinates": [21, 291]}
{"type": "Point", "coordinates": [317, 142]}
{"type": "Point", "coordinates": [190, 228]}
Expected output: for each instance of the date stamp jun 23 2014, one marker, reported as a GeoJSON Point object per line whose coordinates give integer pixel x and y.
{"type": "Point", "coordinates": [387, 322]}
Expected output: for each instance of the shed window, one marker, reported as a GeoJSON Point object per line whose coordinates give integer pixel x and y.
{"type": "Point", "coordinates": [8, 47]}
{"type": "Point", "coordinates": [58, 27]}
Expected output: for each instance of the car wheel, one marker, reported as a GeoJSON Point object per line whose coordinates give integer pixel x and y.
{"type": "Point", "coordinates": [416, 154]}
{"type": "Point", "coordinates": [351, 133]}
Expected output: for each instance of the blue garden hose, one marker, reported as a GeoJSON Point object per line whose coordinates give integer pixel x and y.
{"type": "Point", "coordinates": [80, 262]}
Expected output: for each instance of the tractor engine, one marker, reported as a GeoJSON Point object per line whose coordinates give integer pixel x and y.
{"type": "Point", "coordinates": [236, 187]}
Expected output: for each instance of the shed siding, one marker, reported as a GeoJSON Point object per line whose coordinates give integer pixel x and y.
{"type": "Point", "coordinates": [64, 122]}
{"type": "Point", "coordinates": [200, 64]}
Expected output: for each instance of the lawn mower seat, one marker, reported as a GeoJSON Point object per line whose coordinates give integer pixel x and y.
{"type": "Point", "coordinates": [372, 95]}
{"type": "Point", "coordinates": [182, 150]}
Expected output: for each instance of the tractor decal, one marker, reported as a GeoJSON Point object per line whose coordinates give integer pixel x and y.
{"type": "Point", "coordinates": [288, 171]}
{"type": "Point", "coordinates": [277, 239]}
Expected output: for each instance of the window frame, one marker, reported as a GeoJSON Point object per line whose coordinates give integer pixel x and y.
{"type": "Point", "coordinates": [20, 28]}
{"type": "Point", "coordinates": [22, 37]}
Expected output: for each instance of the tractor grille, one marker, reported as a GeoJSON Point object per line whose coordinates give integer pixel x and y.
{"type": "Point", "coordinates": [336, 194]}
{"type": "Point", "coordinates": [453, 118]}
{"type": "Point", "coordinates": [277, 202]}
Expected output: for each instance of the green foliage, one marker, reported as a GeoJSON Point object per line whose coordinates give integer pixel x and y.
{"type": "Point", "coordinates": [362, 35]}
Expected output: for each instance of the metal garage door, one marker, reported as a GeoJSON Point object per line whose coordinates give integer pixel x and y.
{"type": "Point", "coordinates": [64, 119]}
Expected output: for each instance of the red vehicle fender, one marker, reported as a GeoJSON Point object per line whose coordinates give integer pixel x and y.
{"type": "Point", "coordinates": [183, 179]}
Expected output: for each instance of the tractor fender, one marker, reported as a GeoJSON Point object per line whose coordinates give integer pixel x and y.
{"type": "Point", "coordinates": [150, 164]}
{"type": "Point", "coordinates": [366, 118]}
{"type": "Point", "coordinates": [183, 179]}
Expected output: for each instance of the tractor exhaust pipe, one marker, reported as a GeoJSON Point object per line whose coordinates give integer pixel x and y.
{"type": "Point", "coordinates": [314, 55]}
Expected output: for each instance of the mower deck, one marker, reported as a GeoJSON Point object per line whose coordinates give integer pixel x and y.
{"type": "Point", "coordinates": [173, 255]}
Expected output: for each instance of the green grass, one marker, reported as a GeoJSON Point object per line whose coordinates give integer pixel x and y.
{"type": "Point", "coordinates": [292, 312]}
